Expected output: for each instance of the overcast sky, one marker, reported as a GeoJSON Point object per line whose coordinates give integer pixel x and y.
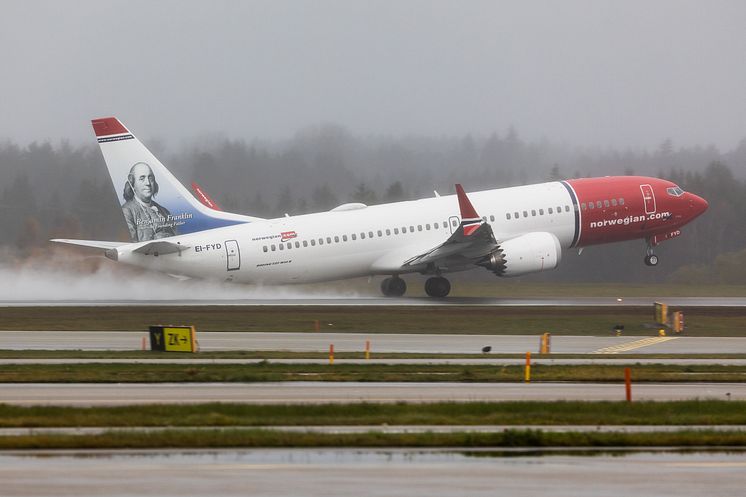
{"type": "Point", "coordinates": [603, 73]}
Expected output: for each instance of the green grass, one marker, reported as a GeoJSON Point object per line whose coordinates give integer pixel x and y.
{"type": "Point", "coordinates": [272, 372]}
{"type": "Point", "coordinates": [693, 412]}
{"type": "Point", "coordinates": [281, 354]}
{"type": "Point", "coordinates": [223, 438]}
{"type": "Point", "coordinates": [701, 321]}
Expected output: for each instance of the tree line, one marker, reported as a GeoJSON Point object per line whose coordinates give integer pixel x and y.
{"type": "Point", "coordinates": [61, 190]}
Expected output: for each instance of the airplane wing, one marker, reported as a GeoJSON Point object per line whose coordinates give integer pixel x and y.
{"type": "Point", "coordinates": [470, 243]}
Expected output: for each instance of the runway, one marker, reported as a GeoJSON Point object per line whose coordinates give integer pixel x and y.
{"type": "Point", "coordinates": [89, 394]}
{"type": "Point", "coordinates": [409, 301]}
{"type": "Point", "coordinates": [380, 342]}
{"type": "Point", "coordinates": [372, 472]}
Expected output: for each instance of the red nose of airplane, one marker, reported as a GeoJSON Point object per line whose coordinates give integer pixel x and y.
{"type": "Point", "coordinates": [697, 204]}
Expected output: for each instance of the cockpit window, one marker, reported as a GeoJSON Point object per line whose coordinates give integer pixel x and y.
{"type": "Point", "coordinates": [675, 191]}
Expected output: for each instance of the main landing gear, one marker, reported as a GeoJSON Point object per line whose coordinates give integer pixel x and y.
{"type": "Point", "coordinates": [650, 258]}
{"type": "Point", "coordinates": [437, 287]}
{"type": "Point", "coordinates": [393, 287]}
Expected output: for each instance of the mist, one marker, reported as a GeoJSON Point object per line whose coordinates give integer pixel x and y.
{"type": "Point", "coordinates": [584, 73]}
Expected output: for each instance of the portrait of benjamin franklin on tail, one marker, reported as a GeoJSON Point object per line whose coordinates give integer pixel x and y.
{"type": "Point", "coordinates": [146, 219]}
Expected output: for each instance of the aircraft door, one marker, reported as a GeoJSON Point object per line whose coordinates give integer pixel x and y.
{"type": "Point", "coordinates": [453, 223]}
{"type": "Point", "coordinates": [648, 198]}
{"type": "Point", "coordinates": [233, 255]}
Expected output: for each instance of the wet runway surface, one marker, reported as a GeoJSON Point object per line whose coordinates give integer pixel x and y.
{"type": "Point", "coordinates": [414, 301]}
{"type": "Point", "coordinates": [362, 472]}
{"type": "Point", "coordinates": [380, 342]}
{"type": "Point", "coordinates": [93, 394]}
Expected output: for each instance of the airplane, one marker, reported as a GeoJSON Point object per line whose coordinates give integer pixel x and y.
{"type": "Point", "coordinates": [508, 231]}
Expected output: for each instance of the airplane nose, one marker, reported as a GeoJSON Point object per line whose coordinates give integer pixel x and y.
{"type": "Point", "coordinates": [699, 204]}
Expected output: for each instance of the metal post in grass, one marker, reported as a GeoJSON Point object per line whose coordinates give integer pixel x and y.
{"type": "Point", "coordinates": [331, 354]}
{"type": "Point", "coordinates": [367, 350]}
{"type": "Point", "coordinates": [628, 383]}
{"type": "Point", "coordinates": [527, 374]}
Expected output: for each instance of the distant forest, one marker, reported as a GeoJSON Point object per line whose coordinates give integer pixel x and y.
{"type": "Point", "coordinates": [59, 190]}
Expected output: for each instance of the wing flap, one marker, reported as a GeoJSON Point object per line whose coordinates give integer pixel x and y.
{"type": "Point", "coordinates": [160, 247]}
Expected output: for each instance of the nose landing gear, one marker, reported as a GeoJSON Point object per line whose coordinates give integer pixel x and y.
{"type": "Point", "coordinates": [650, 258]}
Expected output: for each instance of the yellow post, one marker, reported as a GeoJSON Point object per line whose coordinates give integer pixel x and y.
{"type": "Point", "coordinates": [331, 354]}
{"type": "Point", "coordinates": [367, 350]}
{"type": "Point", "coordinates": [661, 332]}
{"type": "Point", "coordinates": [527, 376]}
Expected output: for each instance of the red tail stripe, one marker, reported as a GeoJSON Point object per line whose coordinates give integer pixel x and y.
{"type": "Point", "coordinates": [108, 126]}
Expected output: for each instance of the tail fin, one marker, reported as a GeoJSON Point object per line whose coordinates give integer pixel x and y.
{"type": "Point", "coordinates": [141, 178]}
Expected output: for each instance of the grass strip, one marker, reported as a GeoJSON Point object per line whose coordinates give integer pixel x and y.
{"type": "Point", "coordinates": [272, 372]}
{"type": "Point", "coordinates": [701, 321]}
{"type": "Point", "coordinates": [691, 412]}
{"type": "Point", "coordinates": [281, 354]}
{"type": "Point", "coordinates": [222, 438]}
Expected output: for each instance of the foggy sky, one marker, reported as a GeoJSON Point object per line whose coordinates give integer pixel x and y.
{"type": "Point", "coordinates": [588, 73]}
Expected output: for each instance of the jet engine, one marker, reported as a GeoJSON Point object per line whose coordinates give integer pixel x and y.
{"type": "Point", "coordinates": [525, 254]}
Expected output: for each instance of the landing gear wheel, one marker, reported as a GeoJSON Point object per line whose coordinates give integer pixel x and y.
{"type": "Point", "coordinates": [651, 260]}
{"type": "Point", "coordinates": [437, 287]}
{"type": "Point", "coordinates": [393, 287]}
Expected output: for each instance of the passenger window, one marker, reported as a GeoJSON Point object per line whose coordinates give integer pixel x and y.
{"type": "Point", "coordinates": [336, 239]}
{"type": "Point", "coordinates": [445, 224]}
{"type": "Point", "coordinates": [525, 213]}
{"type": "Point", "coordinates": [328, 239]}
{"type": "Point", "coordinates": [559, 209]}
{"type": "Point", "coordinates": [273, 247]}
{"type": "Point", "coordinates": [583, 206]}
{"type": "Point", "coordinates": [533, 212]}
{"type": "Point", "coordinates": [380, 233]}
{"type": "Point", "coordinates": [290, 245]}
{"type": "Point", "coordinates": [507, 215]}
{"type": "Point", "coordinates": [321, 241]}
{"type": "Point", "coordinates": [621, 201]}
{"type": "Point", "coordinates": [550, 211]}
{"type": "Point", "coordinates": [370, 234]}
{"type": "Point", "coordinates": [484, 218]}
{"type": "Point", "coordinates": [362, 236]}
{"type": "Point", "coordinates": [354, 236]}
{"type": "Point", "coordinates": [516, 215]}
{"type": "Point", "coordinates": [613, 202]}
{"type": "Point", "coordinates": [396, 231]}
{"type": "Point", "coordinates": [419, 227]}
{"type": "Point", "coordinates": [265, 249]}
{"type": "Point", "coordinates": [344, 238]}
{"type": "Point", "coordinates": [297, 244]}
{"type": "Point", "coordinates": [305, 243]}
{"type": "Point", "coordinates": [427, 226]}
{"type": "Point", "coordinates": [541, 212]}
{"type": "Point", "coordinates": [282, 247]}
{"type": "Point", "coordinates": [435, 225]}
{"type": "Point", "coordinates": [590, 205]}
{"type": "Point", "coordinates": [454, 223]}
{"type": "Point", "coordinates": [492, 218]}
{"type": "Point", "coordinates": [606, 203]}
{"type": "Point", "coordinates": [388, 232]}
{"type": "Point", "coordinates": [598, 204]}
{"type": "Point", "coordinates": [567, 208]}
{"type": "Point", "coordinates": [411, 229]}
{"type": "Point", "coordinates": [313, 243]}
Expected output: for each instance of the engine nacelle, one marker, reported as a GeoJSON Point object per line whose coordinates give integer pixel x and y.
{"type": "Point", "coordinates": [525, 254]}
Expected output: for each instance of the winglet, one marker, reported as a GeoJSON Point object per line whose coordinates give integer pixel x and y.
{"type": "Point", "coordinates": [204, 197]}
{"type": "Point", "coordinates": [470, 220]}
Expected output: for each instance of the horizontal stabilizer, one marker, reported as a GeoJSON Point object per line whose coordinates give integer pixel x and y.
{"type": "Point", "coordinates": [160, 247]}
{"type": "Point", "coordinates": [90, 243]}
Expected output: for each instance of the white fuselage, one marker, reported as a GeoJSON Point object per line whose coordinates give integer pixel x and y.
{"type": "Point", "coordinates": [358, 242]}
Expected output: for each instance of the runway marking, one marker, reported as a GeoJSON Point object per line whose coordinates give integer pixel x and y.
{"type": "Point", "coordinates": [637, 344]}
